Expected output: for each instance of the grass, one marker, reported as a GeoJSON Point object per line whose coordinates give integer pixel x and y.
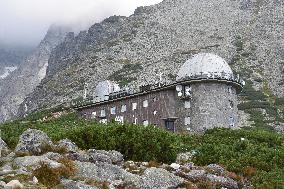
{"type": "Point", "coordinates": [259, 157]}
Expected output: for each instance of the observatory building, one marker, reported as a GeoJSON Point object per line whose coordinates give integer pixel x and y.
{"type": "Point", "coordinates": [204, 96]}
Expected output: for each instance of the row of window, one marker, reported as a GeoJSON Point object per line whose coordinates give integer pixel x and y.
{"type": "Point", "coordinates": [120, 119]}
{"type": "Point", "coordinates": [123, 109]}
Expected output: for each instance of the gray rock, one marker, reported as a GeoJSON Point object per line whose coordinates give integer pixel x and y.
{"type": "Point", "coordinates": [103, 171]}
{"type": "Point", "coordinates": [195, 175]}
{"type": "Point", "coordinates": [70, 184]}
{"type": "Point", "coordinates": [14, 184]}
{"type": "Point", "coordinates": [2, 184]}
{"type": "Point", "coordinates": [3, 145]}
{"type": "Point", "coordinates": [68, 145]}
{"type": "Point", "coordinates": [33, 162]}
{"type": "Point", "coordinates": [156, 178]}
{"type": "Point", "coordinates": [76, 156]}
{"type": "Point", "coordinates": [33, 141]}
{"type": "Point", "coordinates": [53, 156]}
{"type": "Point", "coordinates": [223, 181]}
{"type": "Point", "coordinates": [105, 156]}
{"type": "Point", "coordinates": [216, 169]}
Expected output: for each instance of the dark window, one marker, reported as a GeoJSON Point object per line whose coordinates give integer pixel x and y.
{"type": "Point", "coordinates": [170, 125]}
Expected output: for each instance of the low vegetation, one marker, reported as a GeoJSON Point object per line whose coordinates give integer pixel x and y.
{"type": "Point", "coordinates": [251, 153]}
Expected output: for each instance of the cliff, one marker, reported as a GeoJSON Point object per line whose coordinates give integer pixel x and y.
{"type": "Point", "coordinates": [160, 38]}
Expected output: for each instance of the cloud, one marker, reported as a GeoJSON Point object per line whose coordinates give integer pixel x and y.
{"type": "Point", "coordinates": [26, 21]}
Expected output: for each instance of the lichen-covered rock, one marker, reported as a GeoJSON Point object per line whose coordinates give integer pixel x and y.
{"type": "Point", "coordinates": [53, 156]}
{"type": "Point", "coordinates": [70, 184]}
{"type": "Point", "coordinates": [68, 145]}
{"type": "Point", "coordinates": [223, 181]}
{"type": "Point", "coordinates": [216, 169]}
{"type": "Point", "coordinates": [77, 156]}
{"type": "Point", "coordinates": [105, 156]}
{"type": "Point", "coordinates": [14, 184]}
{"type": "Point", "coordinates": [3, 145]}
{"type": "Point", "coordinates": [33, 162]}
{"type": "Point", "coordinates": [33, 141]}
{"type": "Point", "coordinates": [156, 178]}
{"type": "Point", "coordinates": [103, 171]}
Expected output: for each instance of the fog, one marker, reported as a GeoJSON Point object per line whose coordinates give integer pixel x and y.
{"type": "Point", "coordinates": [25, 22]}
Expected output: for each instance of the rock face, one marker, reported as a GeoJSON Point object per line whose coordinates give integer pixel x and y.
{"type": "Point", "coordinates": [161, 38]}
{"type": "Point", "coordinates": [68, 145]}
{"type": "Point", "coordinates": [33, 141]}
{"type": "Point", "coordinates": [15, 87]}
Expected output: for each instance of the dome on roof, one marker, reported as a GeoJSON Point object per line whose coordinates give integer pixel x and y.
{"type": "Point", "coordinates": [204, 63]}
{"type": "Point", "coordinates": [104, 88]}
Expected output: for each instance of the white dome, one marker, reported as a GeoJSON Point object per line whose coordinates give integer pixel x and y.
{"type": "Point", "coordinates": [204, 63]}
{"type": "Point", "coordinates": [104, 88]}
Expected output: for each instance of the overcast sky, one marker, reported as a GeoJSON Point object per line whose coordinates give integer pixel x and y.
{"type": "Point", "coordinates": [26, 21]}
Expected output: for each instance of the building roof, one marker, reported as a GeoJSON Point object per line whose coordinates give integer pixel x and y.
{"type": "Point", "coordinates": [204, 63]}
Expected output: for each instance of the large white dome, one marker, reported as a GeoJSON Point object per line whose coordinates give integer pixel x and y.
{"type": "Point", "coordinates": [204, 63]}
{"type": "Point", "coordinates": [104, 88]}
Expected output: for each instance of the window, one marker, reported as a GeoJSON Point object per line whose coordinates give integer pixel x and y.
{"type": "Point", "coordinates": [231, 104]}
{"type": "Point", "coordinates": [145, 103]}
{"type": "Point", "coordinates": [170, 125]}
{"type": "Point", "coordinates": [134, 106]}
{"type": "Point", "coordinates": [123, 108]}
{"type": "Point", "coordinates": [112, 110]}
{"type": "Point", "coordinates": [103, 121]}
{"type": "Point", "coordinates": [135, 121]}
{"type": "Point", "coordinates": [103, 113]}
{"type": "Point", "coordinates": [231, 121]}
{"type": "Point", "coordinates": [94, 114]}
{"type": "Point", "coordinates": [230, 89]}
{"type": "Point", "coordinates": [187, 104]}
{"type": "Point", "coordinates": [145, 122]}
{"type": "Point", "coordinates": [155, 112]}
{"type": "Point", "coordinates": [187, 121]}
{"type": "Point", "coordinates": [119, 119]}
{"type": "Point", "coordinates": [155, 99]}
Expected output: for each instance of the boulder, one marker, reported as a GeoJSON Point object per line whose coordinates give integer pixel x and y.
{"type": "Point", "coordinates": [156, 178]}
{"type": "Point", "coordinates": [33, 141]}
{"type": "Point", "coordinates": [216, 169]}
{"type": "Point", "coordinates": [3, 145]}
{"type": "Point", "coordinates": [68, 145]}
{"type": "Point", "coordinates": [196, 175]}
{"type": "Point", "coordinates": [77, 156]}
{"type": "Point", "coordinates": [53, 156]}
{"type": "Point", "coordinates": [103, 171]}
{"type": "Point", "coordinates": [223, 181]}
{"type": "Point", "coordinates": [105, 156]}
{"type": "Point", "coordinates": [34, 162]}
{"type": "Point", "coordinates": [4, 150]}
{"type": "Point", "coordinates": [14, 184]}
{"type": "Point", "coordinates": [70, 184]}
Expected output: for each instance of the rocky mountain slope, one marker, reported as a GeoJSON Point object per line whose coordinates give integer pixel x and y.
{"type": "Point", "coordinates": [15, 87]}
{"type": "Point", "coordinates": [160, 38]}
{"type": "Point", "coordinates": [11, 57]}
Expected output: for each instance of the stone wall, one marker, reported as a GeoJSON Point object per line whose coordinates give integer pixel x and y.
{"type": "Point", "coordinates": [212, 105]}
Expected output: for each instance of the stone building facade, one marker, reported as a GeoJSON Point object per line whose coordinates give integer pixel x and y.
{"type": "Point", "coordinates": [204, 96]}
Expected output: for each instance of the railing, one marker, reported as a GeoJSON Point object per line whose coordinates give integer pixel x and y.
{"type": "Point", "coordinates": [150, 87]}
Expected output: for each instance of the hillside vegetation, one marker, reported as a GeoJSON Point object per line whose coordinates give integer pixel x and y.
{"type": "Point", "coordinates": [253, 154]}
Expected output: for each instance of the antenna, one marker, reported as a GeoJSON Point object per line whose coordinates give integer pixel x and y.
{"type": "Point", "coordinates": [85, 91]}
{"type": "Point", "coordinates": [160, 75]}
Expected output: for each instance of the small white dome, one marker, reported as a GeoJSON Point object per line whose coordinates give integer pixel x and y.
{"type": "Point", "coordinates": [104, 88]}
{"type": "Point", "coordinates": [204, 63]}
